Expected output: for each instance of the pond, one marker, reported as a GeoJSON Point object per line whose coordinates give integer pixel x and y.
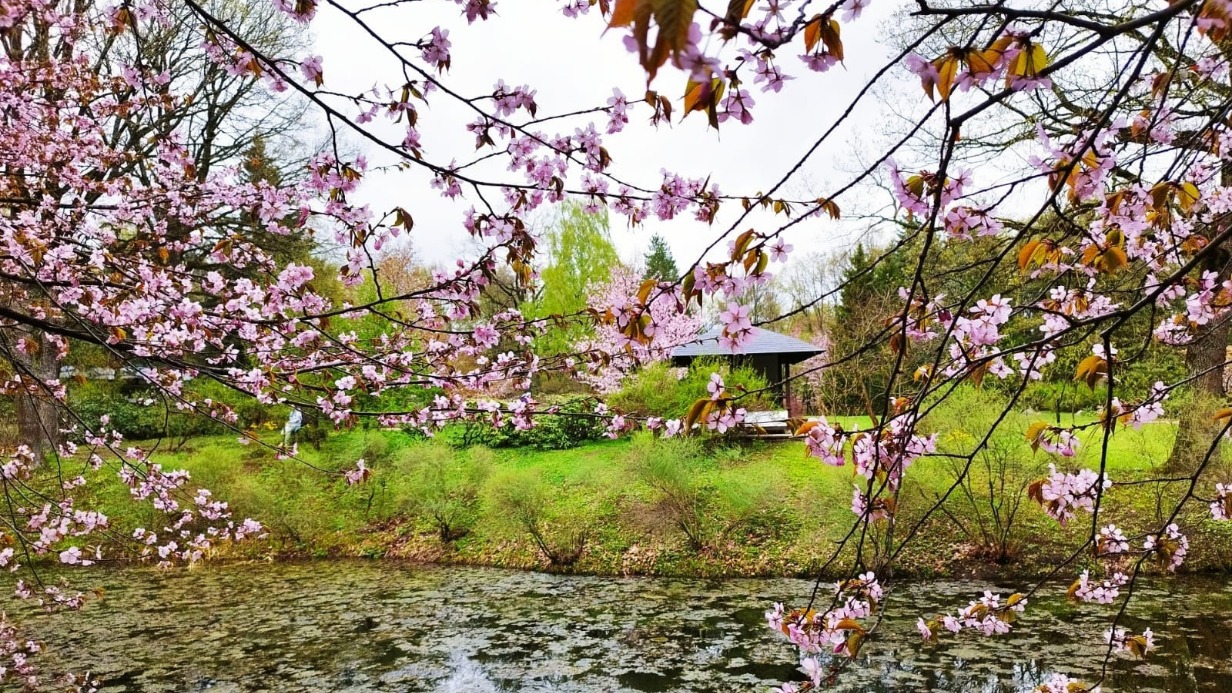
{"type": "Point", "coordinates": [384, 626]}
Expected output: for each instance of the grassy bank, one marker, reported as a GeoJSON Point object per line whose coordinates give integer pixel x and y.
{"type": "Point", "coordinates": [646, 506]}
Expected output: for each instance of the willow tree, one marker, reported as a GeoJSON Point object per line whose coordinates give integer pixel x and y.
{"type": "Point", "coordinates": [579, 259]}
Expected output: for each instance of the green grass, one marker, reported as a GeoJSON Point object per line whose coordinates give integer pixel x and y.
{"type": "Point", "coordinates": [762, 508]}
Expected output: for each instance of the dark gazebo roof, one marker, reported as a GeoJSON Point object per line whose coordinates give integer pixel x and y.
{"type": "Point", "coordinates": [788, 349]}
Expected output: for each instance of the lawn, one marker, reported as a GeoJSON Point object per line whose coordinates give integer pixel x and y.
{"type": "Point", "coordinates": [646, 506]}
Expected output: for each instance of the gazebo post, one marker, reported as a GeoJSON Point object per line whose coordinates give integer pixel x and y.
{"type": "Point", "coordinates": [786, 369]}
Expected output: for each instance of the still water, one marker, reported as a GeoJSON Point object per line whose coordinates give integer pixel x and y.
{"type": "Point", "coordinates": [381, 626]}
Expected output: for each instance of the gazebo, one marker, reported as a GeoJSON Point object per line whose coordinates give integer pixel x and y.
{"type": "Point", "coordinates": [769, 353]}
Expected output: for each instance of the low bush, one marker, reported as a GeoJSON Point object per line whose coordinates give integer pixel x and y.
{"type": "Point", "coordinates": [571, 423]}
{"type": "Point", "coordinates": [398, 399]}
{"type": "Point", "coordinates": [138, 414]}
{"type": "Point", "coordinates": [10, 434]}
{"type": "Point", "coordinates": [750, 507]}
{"type": "Point", "coordinates": [440, 485]}
{"type": "Point", "coordinates": [654, 390]}
{"type": "Point", "coordinates": [308, 510]}
{"type": "Point", "coordinates": [659, 390]}
{"type": "Point", "coordinates": [522, 498]}
{"type": "Point", "coordinates": [673, 468]}
{"type": "Point", "coordinates": [707, 495]}
{"type": "Point", "coordinates": [991, 478]}
{"type": "Point", "coordinates": [1062, 396]}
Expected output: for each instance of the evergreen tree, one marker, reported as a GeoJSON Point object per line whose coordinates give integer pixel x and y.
{"type": "Point", "coordinates": [866, 301]}
{"type": "Point", "coordinates": [259, 167]}
{"type": "Point", "coordinates": [858, 280]}
{"type": "Point", "coordinates": [660, 265]}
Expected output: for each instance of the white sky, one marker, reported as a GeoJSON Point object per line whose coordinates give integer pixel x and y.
{"type": "Point", "coordinates": [572, 65]}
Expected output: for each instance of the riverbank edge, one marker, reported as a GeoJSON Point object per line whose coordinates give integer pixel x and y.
{"type": "Point", "coordinates": [1010, 573]}
{"type": "Point", "coordinates": [933, 554]}
{"type": "Point", "coordinates": [668, 560]}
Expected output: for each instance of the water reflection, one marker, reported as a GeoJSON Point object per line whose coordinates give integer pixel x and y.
{"type": "Point", "coordinates": [371, 626]}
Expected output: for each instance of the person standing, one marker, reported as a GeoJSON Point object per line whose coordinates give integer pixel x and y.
{"type": "Point", "coordinates": [294, 423]}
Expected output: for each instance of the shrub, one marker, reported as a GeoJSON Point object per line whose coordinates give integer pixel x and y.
{"type": "Point", "coordinates": [654, 390]}
{"type": "Point", "coordinates": [991, 481]}
{"type": "Point", "coordinates": [373, 499]}
{"type": "Point", "coordinates": [522, 497]}
{"type": "Point", "coordinates": [707, 504]}
{"type": "Point", "coordinates": [672, 468]}
{"type": "Point", "coordinates": [571, 425]}
{"type": "Point", "coordinates": [313, 431]}
{"type": "Point", "coordinates": [10, 433]}
{"type": "Point", "coordinates": [396, 399]}
{"type": "Point", "coordinates": [137, 413]}
{"type": "Point", "coordinates": [1062, 396]}
{"type": "Point", "coordinates": [140, 412]}
{"type": "Point", "coordinates": [442, 486]}
{"type": "Point", "coordinates": [749, 506]}
{"type": "Point", "coordinates": [564, 429]}
{"type": "Point", "coordinates": [298, 503]}
{"type": "Point", "coordinates": [658, 390]}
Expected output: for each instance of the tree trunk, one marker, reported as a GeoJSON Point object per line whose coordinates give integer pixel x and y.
{"type": "Point", "coordinates": [1207, 355]}
{"type": "Point", "coordinates": [38, 417]}
{"type": "Point", "coordinates": [1197, 428]}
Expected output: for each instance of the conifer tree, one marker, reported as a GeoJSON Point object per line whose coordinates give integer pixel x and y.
{"type": "Point", "coordinates": [660, 265]}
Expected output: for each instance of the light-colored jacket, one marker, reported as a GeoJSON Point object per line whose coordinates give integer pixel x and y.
{"type": "Point", "coordinates": [295, 421]}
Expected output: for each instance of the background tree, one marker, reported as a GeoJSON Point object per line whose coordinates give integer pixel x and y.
{"type": "Point", "coordinates": [610, 355]}
{"type": "Point", "coordinates": [868, 300]}
{"type": "Point", "coordinates": [226, 113]}
{"type": "Point", "coordinates": [1073, 98]}
{"type": "Point", "coordinates": [227, 119]}
{"type": "Point", "coordinates": [259, 166]}
{"type": "Point", "coordinates": [579, 256]}
{"type": "Point", "coordinates": [660, 265]}
{"type": "Point", "coordinates": [763, 301]}
{"type": "Point", "coordinates": [810, 287]}
{"type": "Point", "coordinates": [401, 271]}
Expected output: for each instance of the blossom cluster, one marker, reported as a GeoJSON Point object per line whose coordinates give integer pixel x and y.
{"type": "Point", "coordinates": [1171, 546]}
{"type": "Point", "coordinates": [1063, 494]}
{"type": "Point", "coordinates": [612, 354]}
{"type": "Point", "coordinates": [1061, 683]}
{"type": "Point", "coordinates": [1111, 541]}
{"type": "Point", "coordinates": [837, 631]}
{"type": "Point", "coordinates": [1221, 507]}
{"type": "Point", "coordinates": [722, 415]}
{"type": "Point", "coordinates": [1151, 408]}
{"type": "Point", "coordinates": [17, 652]}
{"type": "Point", "coordinates": [988, 615]}
{"type": "Point", "coordinates": [1102, 592]}
{"type": "Point", "coordinates": [884, 453]}
{"type": "Point", "coordinates": [1121, 640]}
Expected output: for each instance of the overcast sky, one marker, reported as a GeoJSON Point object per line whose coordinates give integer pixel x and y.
{"type": "Point", "coordinates": [572, 64]}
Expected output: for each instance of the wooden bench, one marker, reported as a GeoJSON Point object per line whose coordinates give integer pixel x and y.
{"type": "Point", "coordinates": [773, 423]}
